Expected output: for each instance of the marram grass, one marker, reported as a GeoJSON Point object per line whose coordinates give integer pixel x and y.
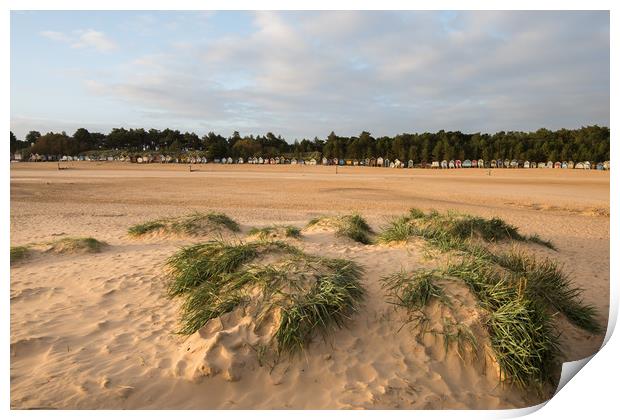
{"type": "Point", "coordinates": [264, 233]}
{"type": "Point", "coordinates": [520, 294]}
{"type": "Point", "coordinates": [452, 231]}
{"type": "Point", "coordinates": [522, 332]}
{"type": "Point", "coordinates": [313, 295]}
{"type": "Point", "coordinates": [352, 226]}
{"type": "Point", "coordinates": [413, 290]}
{"type": "Point", "coordinates": [69, 245]}
{"type": "Point", "coordinates": [192, 224]}
{"type": "Point", "coordinates": [543, 280]}
{"type": "Point", "coordinates": [19, 253]}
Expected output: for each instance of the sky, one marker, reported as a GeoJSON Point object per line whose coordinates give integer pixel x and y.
{"type": "Point", "coordinates": [304, 74]}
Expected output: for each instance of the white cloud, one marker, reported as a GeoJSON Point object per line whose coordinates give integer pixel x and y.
{"type": "Point", "coordinates": [82, 39]}
{"type": "Point", "coordinates": [94, 39]}
{"type": "Point", "coordinates": [306, 73]}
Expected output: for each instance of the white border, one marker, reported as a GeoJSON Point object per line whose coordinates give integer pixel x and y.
{"type": "Point", "coordinates": [592, 394]}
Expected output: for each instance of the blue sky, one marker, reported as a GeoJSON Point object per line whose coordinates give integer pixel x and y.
{"type": "Point", "coordinates": [303, 74]}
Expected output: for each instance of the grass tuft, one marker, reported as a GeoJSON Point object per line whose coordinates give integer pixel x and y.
{"type": "Point", "coordinates": [193, 224]}
{"type": "Point", "coordinates": [452, 231]}
{"type": "Point", "coordinates": [413, 290]}
{"type": "Point", "coordinates": [521, 329]}
{"type": "Point", "coordinates": [19, 253]}
{"type": "Point", "coordinates": [144, 228]}
{"type": "Point", "coordinates": [544, 282]}
{"type": "Point", "coordinates": [520, 294]}
{"type": "Point", "coordinates": [524, 342]}
{"type": "Point", "coordinates": [398, 230]}
{"type": "Point", "coordinates": [352, 226]}
{"type": "Point", "coordinates": [71, 245]}
{"type": "Point", "coordinates": [270, 232]}
{"type": "Point", "coordinates": [312, 295]}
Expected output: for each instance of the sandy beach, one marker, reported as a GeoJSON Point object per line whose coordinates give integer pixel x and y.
{"type": "Point", "coordinates": [95, 331]}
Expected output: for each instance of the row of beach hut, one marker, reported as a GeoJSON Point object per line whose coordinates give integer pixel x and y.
{"type": "Point", "coordinates": [444, 164]}
{"type": "Point", "coordinates": [373, 162]}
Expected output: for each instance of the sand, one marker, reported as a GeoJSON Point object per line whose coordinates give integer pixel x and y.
{"type": "Point", "coordinates": [96, 331]}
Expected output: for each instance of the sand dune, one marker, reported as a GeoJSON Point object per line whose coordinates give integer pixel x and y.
{"type": "Point", "coordinates": [97, 331]}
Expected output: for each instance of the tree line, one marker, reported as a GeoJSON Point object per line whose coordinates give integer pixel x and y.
{"type": "Point", "coordinates": [591, 143]}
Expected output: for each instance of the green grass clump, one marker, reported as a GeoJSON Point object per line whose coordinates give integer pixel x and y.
{"type": "Point", "coordinates": [397, 230]}
{"type": "Point", "coordinates": [520, 294]}
{"type": "Point", "coordinates": [312, 295]}
{"type": "Point", "coordinates": [267, 232]}
{"type": "Point", "coordinates": [223, 220]}
{"type": "Point", "coordinates": [413, 290]}
{"type": "Point", "coordinates": [452, 231]}
{"type": "Point", "coordinates": [521, 330]}
{"type": "Point", "coordinates": [352, 226]}
{"type": "Point", "coordinates": [71, 245]}
{"type": "Point", "coordinates": [330, 303]}
{"type": "Point", "coordinates": [545, 282]}
{"type": "Point", "coordinates": [19, 253]}
{"type": "Point", "coordinates": [144, 228]}
{"type": "Point", "coordinates": [524, 342]}
{"type": "Point", "coordinates": [209, 262]}
{"type": "Point", "coordinates": [193, 224]}
{"type": "Point", "coordinates": [355, 227]}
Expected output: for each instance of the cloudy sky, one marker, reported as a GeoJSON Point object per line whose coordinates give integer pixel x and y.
{"type": "Point", "coordinates": [304, 74]}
